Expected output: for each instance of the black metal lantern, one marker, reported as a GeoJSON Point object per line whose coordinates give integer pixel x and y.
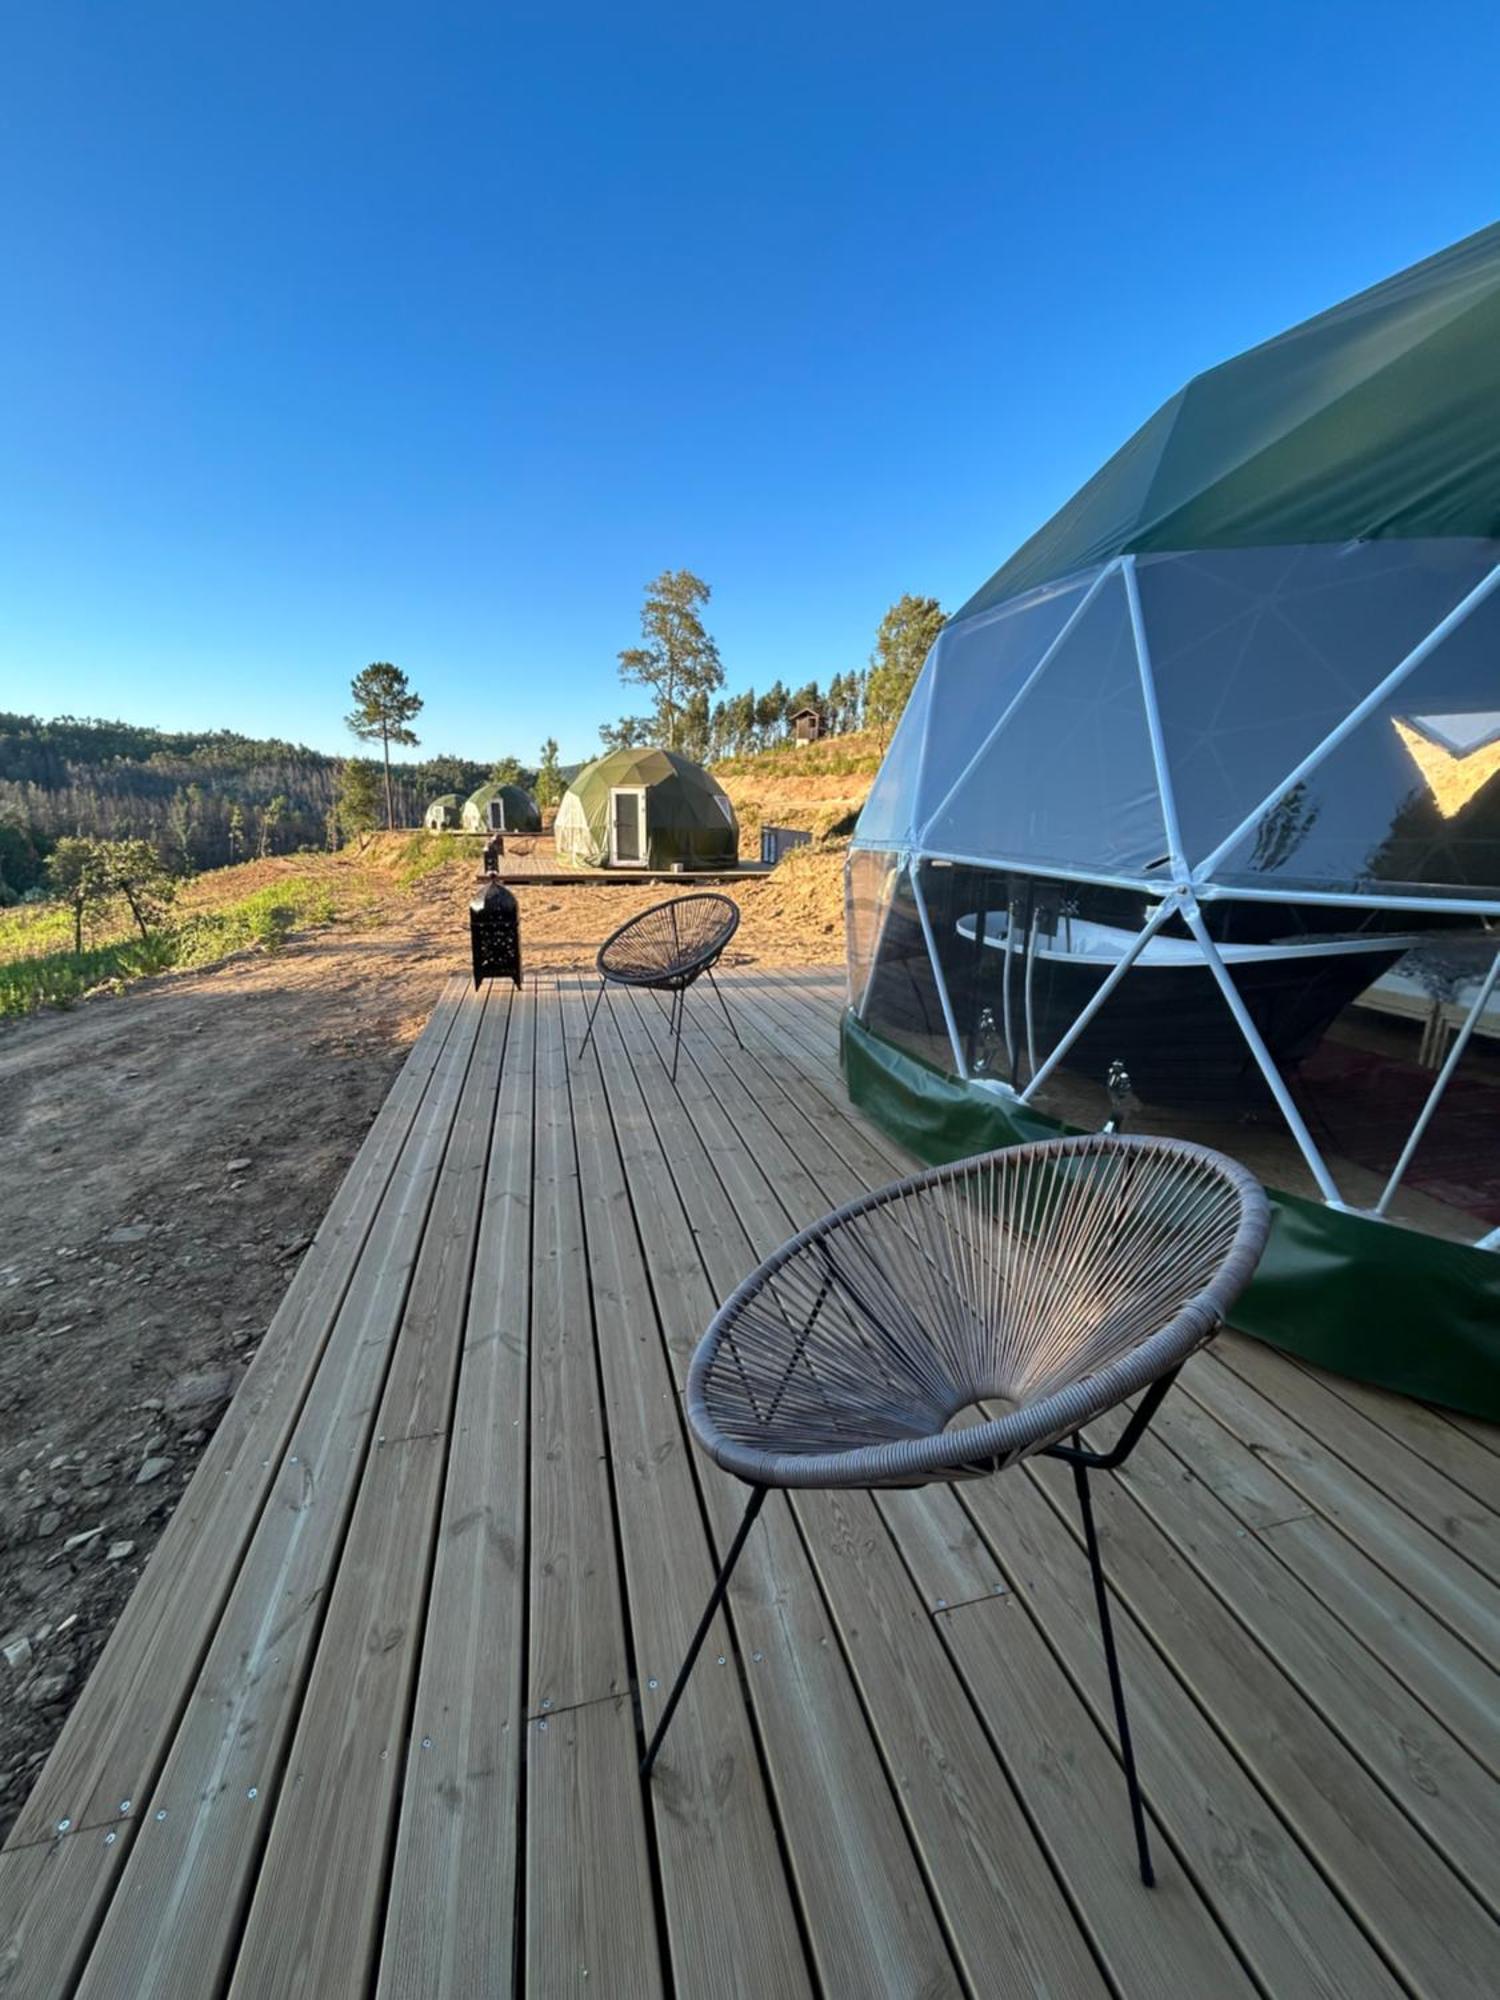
{"type": "Point", "coordinates": [495, 933]}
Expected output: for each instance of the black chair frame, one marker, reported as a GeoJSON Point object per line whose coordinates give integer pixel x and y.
{"type": "Point", "coordinates": [664, 950]}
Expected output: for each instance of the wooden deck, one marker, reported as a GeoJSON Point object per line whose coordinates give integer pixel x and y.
{"type": "Point", "coordinates": [370, 1723]}
{"type": "Point", "coordinates": [533, 857]}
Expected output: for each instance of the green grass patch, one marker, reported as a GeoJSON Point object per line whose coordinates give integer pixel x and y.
{"type": "Point", "coordinates": [425, 853]}
{"type": "Point", "coordinates": [268, 917]}
{"type": "Point", "coordinates": [35, 927]}
{"type": "Point", "coordinates": [56, 978]}
{"type": "Point", "coordinates": [833, 757]}
{"type": "Point", "coordinates": [32, 978]}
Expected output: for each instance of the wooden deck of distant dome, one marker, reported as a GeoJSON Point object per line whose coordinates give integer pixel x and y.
{"type": "Point", "coordinates": [541, 865]}
{"type": "Point", "coordinates": [371, 1722]}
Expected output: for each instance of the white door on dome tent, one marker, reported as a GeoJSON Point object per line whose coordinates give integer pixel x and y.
{"type": "Point", "coordinates": [627, 826]}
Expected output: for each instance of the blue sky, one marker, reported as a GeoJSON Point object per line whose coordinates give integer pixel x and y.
{"type": "Point", "coordinates": [430, 333]}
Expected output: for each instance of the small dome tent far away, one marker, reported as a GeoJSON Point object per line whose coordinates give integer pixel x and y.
{"type": "Point", "coordinates": [1192, 821]}
{"type": "Point", "coordinates": [646, 809]}
{"type": "Point", "coordinates": [442, 813]}
{"type": "Point", "coordinates": [501, 809]}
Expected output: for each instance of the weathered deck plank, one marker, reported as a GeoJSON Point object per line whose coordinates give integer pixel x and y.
{"type": "Point", "coordinates": [450, 1930]}
{"type": "Point", "coordinates": [458, 1485]}
{"type": "Point", "coordinates": [577, 1630]}
{"type": "Point", "coordinates": [729, 1910]}
{"type": "Point", "coordinates": [793, 1150]}
{"type": "Point", "coordinates": [1427, 1771]}
{"type": "Point", "coordinates": [590, 1922]}
{"type": "Point", "coordinates": [314, 1923]}
{"type": "Point", "coordinates": [1444, 1673]}
{"type": "Point", "coordinates": [1418, 1560]}
{"type": "Point", "coordinates": [1444, 1508]}
{"type": "Point", "coordinates": [870, 1922]}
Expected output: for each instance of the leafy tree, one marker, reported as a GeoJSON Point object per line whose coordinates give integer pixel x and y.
{"type": "Point", "coordinates": [693, 726]}
{"type": "Point", "coordinates": [358, 796]}
{"type": "Point", "coordinates": [678, 659]}
{"type": "Point", "coordinates": [549, 783]}
{"type": "Point", "coordinates": [236, 831]}
{"type": "Point", "coordinates": [903, 642]}
{"type": "Point", "coordinates": [134, 869]}
{"type": "Point", "coordinates": [384, 707]}
{"type": "Point", "coordinates": [507, 771]}
{"type": "Point", "coordinates": [770, 713]}
{"type": "Point", "coordinates": [21, 864]}
{"type": "Point", "coordinates": [447, 774]}
{"type": "Point", "coordinates": [76, 875]}
{"type": "Point", "coordinates": [270, 819]}
{"type": "Point", "coordinates": [626, 734]}
{"type": "Point", "coordinates": [182, 820]}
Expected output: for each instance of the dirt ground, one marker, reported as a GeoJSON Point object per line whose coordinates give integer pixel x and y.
{"type": "Point", "coordinates": [168, 1153]}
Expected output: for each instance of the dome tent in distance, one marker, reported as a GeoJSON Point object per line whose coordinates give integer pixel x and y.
{"type": "Point", "coordinates": [646, 809]}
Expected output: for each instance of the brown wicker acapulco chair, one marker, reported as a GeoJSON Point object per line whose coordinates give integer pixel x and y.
{"type": "Point", "coordinates": [1036, 1287]}
{"type": "Point", "coordinates": [665, 949]}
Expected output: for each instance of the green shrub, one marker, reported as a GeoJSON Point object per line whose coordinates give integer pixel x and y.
{"type": "Point", "coordinates": [425, 853]}
{"type": "Point", "coordinates": [267, 918]}
{"type": "Point", "coordinates": [55, 979]}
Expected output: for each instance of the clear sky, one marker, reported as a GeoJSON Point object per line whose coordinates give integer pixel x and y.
{"type": "Point", "coordinates": [430, 332]}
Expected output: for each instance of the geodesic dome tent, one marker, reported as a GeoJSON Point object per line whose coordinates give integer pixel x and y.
{"type": "Point", "coordinates": [646, 809]}
{"type": "Point", "coordinates": [501, 809]}
{"type": "Point", "coordinates": [442, 813]}
{"type": "Point", "coordinates": [1193, 819]}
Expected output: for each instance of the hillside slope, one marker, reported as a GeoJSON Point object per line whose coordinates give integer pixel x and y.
{"type": "Point", "coordinates": [818, 787]}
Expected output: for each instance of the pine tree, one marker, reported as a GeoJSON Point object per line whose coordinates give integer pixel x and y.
{"type": "Point", "coordinates": [384, 707]}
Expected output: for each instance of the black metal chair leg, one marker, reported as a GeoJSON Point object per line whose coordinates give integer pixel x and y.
{"type": "Point", "coordinates": [724, 1006]}
{"type": "Point", "coordinates": [583, 1046]}
{"type": "Point", "coordinates": [695, 1646]}
{"type": "Point", "coordinates": [676, 1029]}
{"type": "Point", "coordinates": [1116, 1684]}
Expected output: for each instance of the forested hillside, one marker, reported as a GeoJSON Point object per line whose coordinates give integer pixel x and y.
{"type": "Point", "coordinates": [203, 798]}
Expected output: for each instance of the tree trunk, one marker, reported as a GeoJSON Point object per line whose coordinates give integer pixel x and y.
{"type": "Point", "coordinates": [78, 927]}
{"type": "Point", "coordinates": [390, 816]}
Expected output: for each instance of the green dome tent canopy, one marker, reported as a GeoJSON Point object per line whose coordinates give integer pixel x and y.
{"type": "Point", "coordinates": [1373, 420]}
{"type": "Point", "coordinates": [442, 813]}
{"type": "Point", "coordinates": [501, 809]}
{"type": "Point", "coordinates": [646, 809]}
{"type": "Point", "coordinates": [1193, 819]}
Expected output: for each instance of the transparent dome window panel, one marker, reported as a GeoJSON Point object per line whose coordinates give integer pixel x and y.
{"type": "Point", "coordinates": [902, 1003]}
{"type": "Point", "coordinates": [977, 669]}
{"type": "Point", "coordinates": [1258, 654]}
{"type": "Point", "coordinates": [869, 879]}
{"type": "Point", "coordinates": [1025, 956]}
{"type": "Point", "coordinates": [1352, 1013]}
{"type": "Point", "coordinates": [1068, 780]}
{"type": "Point", "coordinates": [888, 812]}
{"type": "Point", "coordinates": [1372, 1074]}
{"type": "Point", "coordinates": [1409, 803]}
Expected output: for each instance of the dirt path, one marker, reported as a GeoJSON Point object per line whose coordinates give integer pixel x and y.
{"type": "Point", "coordinates": [167, 1157]}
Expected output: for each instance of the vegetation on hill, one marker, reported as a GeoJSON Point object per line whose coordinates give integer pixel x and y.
{"type": "Point", "coordinates": [679, 663]}
{"type": "Point", "coordinates": [199, 922]}
{"type": "Point", "coordinates": [204, 799]}
{"type": "Point", "coordinates": [817, 787]}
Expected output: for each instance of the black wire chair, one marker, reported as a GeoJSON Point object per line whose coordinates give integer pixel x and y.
{"type": "Point", "coordinates": [664, 950]}
{"type": "Point", "coordinates": [1036, 1287]}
